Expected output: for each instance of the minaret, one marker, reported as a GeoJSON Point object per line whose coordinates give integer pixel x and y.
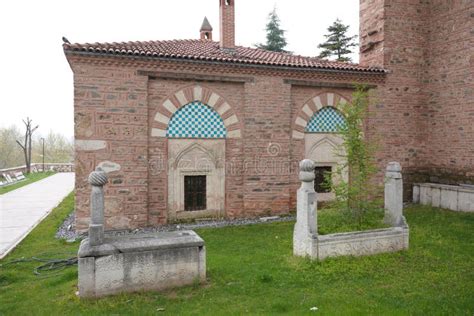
{"type": "Point", "coordinates": [227, 24]}
{"type": "Point", "coordinates": [206, 30]}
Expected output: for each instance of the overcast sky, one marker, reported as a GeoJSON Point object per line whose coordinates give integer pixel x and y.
{"type": "Point", "coordinates": [36, 80]}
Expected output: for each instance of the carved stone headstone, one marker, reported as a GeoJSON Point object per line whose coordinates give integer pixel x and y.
{"type": "Point", "coordinates": [393, 195]}
{"type": "Point", "coordinates": [306, 217]}
{"type": "Point", "coordinates": [97, 180]}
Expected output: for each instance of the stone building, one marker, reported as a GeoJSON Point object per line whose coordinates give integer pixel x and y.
{"type": "Point", "coordinates": [425, 109]}
{"type": "Point", "coordinates": [198, 129]}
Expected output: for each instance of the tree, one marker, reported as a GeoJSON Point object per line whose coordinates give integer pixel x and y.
{"type": "Point", "coordinates": [58, 148]}
{"type": "Point", "coordinates": [337, 43]}
{"type": "Point", "coordinates": [359, 194]}
{"type": "Point", "coordinates": [26, 146]}
{"type": "Point", "coordinates": [10, 156]}
{"type": "Point", "coordinates": [275, 35]}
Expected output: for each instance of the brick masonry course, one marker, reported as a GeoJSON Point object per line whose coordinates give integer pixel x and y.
{"type": "Point", "coordinates": [421, 114]}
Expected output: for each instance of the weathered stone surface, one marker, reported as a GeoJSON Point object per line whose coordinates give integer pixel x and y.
{"type": "Point", "coordinates": [109, 166]}
{"type": "Point", "coordinates": [452, 197]}
{"type": "Point", "coordinates": [83, 124]}
{"type": "Point", "coordinates": [86, 272]}
{"type": "Point", "coordinates": [96, 234]}
{"type": "Point", "coordinates": [90, 145]}
{"type": "Point", "coordinates": [306, 219]}
{"type": "Point", "coordinates": [307, 242]}
{"type": "Point", "coordinates": [362, 243]}
{"type": "Point", "coordinates": [97, 179]}
{"type": "Point", "coordinates": [143, 262]}
{"type": "Point", "coordinates": [393, 195]}
{"type": "Point", "coordinates": [187, 157]}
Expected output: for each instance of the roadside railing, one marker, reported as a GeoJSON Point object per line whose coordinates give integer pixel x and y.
{"type": "Point", "coordinates": [38, 167]}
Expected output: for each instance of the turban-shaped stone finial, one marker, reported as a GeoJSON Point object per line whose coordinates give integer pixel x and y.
{"type": "Point", "coordinates": [307, 170]}
{"type": "Point", "coordinates": [98, 177]}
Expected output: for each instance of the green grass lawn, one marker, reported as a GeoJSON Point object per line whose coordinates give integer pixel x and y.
{"type": "Point", "coordinates": [251, 270]}
{"type": "Point", "coordinates": [333, 220]}
{"type": "Point", "coordinates": [30, 178]}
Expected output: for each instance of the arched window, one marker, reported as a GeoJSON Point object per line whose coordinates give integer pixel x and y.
{"type": "Point", "coordinates": [326, 120]}
{"type": "Point", "coordinates": [196, 120]}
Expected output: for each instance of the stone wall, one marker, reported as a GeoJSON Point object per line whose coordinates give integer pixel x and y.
{"type": "Point", "coordinates": [111, 124]}
{"type": "Point", "coordinates": [122, 108]}
{"type": "Point", "coordinates": [449, 80]}
{"type": "Point", "coordinates": [420, 115]}
{"type": "Point", "coordinates": [453, 197]}
{"type": "Point", "coordinates": [196, 157]}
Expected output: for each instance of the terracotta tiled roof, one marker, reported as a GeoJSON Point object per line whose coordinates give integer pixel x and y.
{"type": "Point", "coordinates": [206, 50]}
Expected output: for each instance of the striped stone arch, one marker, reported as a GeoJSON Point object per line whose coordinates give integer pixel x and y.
{"type": "Point", "coordinates": [195, 93]}
{"type": "Point", "coordinates": [312, 106]}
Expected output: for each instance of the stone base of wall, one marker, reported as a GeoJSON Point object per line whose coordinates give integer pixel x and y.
{"type": "Point", "coordinates": [144, 262]}
{"type": "Point", "coordinates": [452, 197]}
{"type": "Point", "coordinates": [448, 177]}
{"type": "Point", "coordinates": [361, 243]}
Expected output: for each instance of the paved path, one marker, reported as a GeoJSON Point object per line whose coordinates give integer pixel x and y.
{"type": "Point", "coordinates": [24, 208]}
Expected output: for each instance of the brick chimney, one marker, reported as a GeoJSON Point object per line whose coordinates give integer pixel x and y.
{"type": "Point", "coordinates": [227, 24]}
{"type": "Point", "coordinates": [206, 30]}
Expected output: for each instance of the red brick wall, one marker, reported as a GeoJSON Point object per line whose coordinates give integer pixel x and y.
{"type": "Point", "coordinates": [420, 116]}
{"type": "Point", "coordinates": [116, 104]}
{"type": "Point", "coordinates": [267, 122]}
{"type": "Point", "coordinates": [227, 24]}
{"type": "Point", "coordinates": [111, 105]}
{"type": "Point", "coordinates": [449, 85]}
{"type": "Point", "coordinates": [158, 92]}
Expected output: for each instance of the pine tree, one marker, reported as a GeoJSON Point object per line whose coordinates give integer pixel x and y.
{"type": "Point", "coordinates": [337, 42]}
{"type": "Point", "coordinates": [275, 35]}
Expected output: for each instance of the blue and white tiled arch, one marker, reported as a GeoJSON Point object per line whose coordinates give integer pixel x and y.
{"type": "Point", "coordinates": [195, 94]}
{"type": "Point", "coordinates": [308, 121]}
{"type": "Point", "coordinates": [196, 120]}
{"type": "Point", "coordinates": [326, 120]}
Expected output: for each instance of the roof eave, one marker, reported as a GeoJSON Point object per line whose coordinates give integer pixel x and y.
{"type": "Point", "coordinates": [375, 72]}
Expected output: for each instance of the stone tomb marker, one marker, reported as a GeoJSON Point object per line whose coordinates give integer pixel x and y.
{"type": "Point", "coordinates": [307, 241]}
{"type": "Point", "coordinates": [306, 219]}
{"type": "Point", "coordinates": [97, 180]}
{"type": "Point", "coordinates": [393, 195]}
{"type": "Point", "coordinates": [154, 261]}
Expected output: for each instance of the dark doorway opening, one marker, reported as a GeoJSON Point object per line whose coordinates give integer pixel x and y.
{"type": "Point", "coordinates": [194, 193]}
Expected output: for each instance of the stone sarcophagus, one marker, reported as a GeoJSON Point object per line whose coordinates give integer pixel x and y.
{"type": "Point", "coordinates": [153, 261]}
{"type": "Point", "coordinates": [147, 262]}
